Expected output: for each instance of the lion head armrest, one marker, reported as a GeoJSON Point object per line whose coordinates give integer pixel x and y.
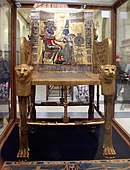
{"type": "Point", "coordinates": [23, 79]}
{"type": "Point", "coordinates": [107, 77]}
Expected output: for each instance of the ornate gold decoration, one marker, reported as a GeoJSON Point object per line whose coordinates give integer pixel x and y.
{"type": "Point", "coordinates": [23, 80]}
{"type": "Point", "coordinates": [107, 78]}
{"type": "Point", "coordinates": [23, 91]}
{"type": "Point", "coordinates": [102, 65]}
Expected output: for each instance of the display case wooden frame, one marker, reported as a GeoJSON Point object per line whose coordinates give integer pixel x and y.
{"type": "Point", "coordinates": [6, 132]}
{"type": "Point", "coordinates": [28, 3]}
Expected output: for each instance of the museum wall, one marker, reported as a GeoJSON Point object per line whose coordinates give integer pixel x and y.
{"type": "Point", "coordinates": [102, 23]}
{"type": "Point", "coordinates": [22, 31]}
{"type": "Point", "coordinates": [23, 26]}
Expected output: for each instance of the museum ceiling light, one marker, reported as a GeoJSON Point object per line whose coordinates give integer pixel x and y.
{"type": "Point", "coordinates": [18, 5]}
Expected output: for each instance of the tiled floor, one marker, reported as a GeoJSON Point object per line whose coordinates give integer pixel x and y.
{"type": "Point", "coordinates": [122, 114]}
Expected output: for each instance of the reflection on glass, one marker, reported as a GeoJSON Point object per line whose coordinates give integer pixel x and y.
{"type": "Point", "coordinates": [5, 48]}
{"type": "Point", "coordinates": [123, 66]}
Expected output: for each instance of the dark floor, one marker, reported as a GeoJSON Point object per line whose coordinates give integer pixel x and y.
{"type": "Point", "coordinates": [64, 143]}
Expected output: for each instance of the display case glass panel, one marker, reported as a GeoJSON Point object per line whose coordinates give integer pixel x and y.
{"type": "Point", "coordinates": [122, 106]}
{"type": "Point", "coordinates": [5, 64]}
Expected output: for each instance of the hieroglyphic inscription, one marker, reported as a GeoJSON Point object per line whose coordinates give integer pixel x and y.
{"type": "Point", "coordinates": [88, 19]}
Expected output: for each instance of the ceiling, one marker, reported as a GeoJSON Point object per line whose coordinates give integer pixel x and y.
{"type": "Point", "coordinates": [103, 2]}
{"type": "Point", "coordinates": [25, 6]}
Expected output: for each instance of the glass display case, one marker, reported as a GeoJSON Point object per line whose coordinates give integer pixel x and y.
{"type": "Point", "coordinates": [5, 66]}
{"type": "Point", "coordinates": [122, 106]}
{"type": "Point", "coordinates": [104, 20]}
{"type": "Point", "coordinates": [110, 19]}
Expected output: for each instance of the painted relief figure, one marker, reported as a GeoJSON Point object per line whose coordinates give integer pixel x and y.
{"type": "Point", "coordinates": [52, 47]}
{"type": "Point", "coordinates": [59, 51]}
{"type": "Point", "coordinates": [68, 48]}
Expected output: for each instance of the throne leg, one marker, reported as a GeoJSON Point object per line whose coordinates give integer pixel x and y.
{"type": "Point", "coordinates": [23, 153]}
{"type": "Point", "coordinates": [108, 150]}
{"type": "Point", "coordinates": [65, 104]}
{"type": "Point", "coordinates": [91, 108]}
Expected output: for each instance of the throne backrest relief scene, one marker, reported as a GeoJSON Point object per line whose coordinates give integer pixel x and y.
{"type": "Point", "coordinates": [62, 37]}
{"type": "Point", "coordinates": [64, 40]}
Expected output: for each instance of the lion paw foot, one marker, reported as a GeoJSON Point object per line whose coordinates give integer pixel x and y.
{"type": "Point", "coordinates": [109, 152]}
{"type": "Point", "coordinates": [23, 154]}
